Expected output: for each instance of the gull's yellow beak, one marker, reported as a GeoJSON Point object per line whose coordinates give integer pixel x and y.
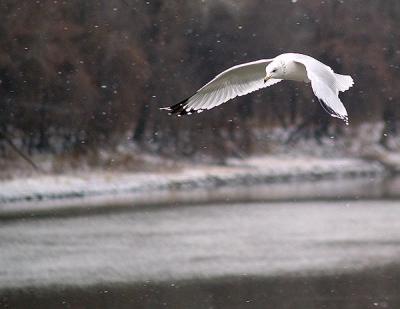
{"type": "Point", "coordinates": [266, 78]}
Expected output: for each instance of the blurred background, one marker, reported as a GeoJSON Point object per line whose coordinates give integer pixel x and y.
{"type": "Point", "coordinates": [263, 202]}
{"type": "Point", "coordinates": [79, 75]}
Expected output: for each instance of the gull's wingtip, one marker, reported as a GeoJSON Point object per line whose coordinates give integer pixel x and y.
{"type": "Point", "coordinates": [168, 109]}
{"type": "Point", "coordinates": [345, 118]}
{"type": "Point", "coordinates": [180, 109]}
{"type": "Point", "coordinates": [333, 113]}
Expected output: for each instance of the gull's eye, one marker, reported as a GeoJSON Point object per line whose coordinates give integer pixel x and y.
{"type": "Point", "coordinates": [274, 70]}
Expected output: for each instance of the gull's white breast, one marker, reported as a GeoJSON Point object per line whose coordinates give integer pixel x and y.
{"type": "Point", "coordinates": [295, 71]}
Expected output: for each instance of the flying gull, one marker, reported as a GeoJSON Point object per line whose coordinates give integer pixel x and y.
{"type": "Point", "coordinates": [248, 77]}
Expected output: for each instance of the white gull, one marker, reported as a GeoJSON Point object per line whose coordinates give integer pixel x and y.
{"type": "Point", "coordinates": [248, 77]}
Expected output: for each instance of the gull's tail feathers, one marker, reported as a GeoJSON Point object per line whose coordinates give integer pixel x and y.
{"type": "Point", "coordinates": [344, 82]}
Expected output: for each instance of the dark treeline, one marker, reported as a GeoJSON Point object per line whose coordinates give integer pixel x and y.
{"type": "Point", "coordinates": [89, 73]}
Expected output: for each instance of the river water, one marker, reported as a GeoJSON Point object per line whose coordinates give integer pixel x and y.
{"type": "Point", "coordinates": [310, 254]}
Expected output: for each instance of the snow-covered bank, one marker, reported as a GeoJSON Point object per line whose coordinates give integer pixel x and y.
{"type": "Point", "coordinates": [52, 193]}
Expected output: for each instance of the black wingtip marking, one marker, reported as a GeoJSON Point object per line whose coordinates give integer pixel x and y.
{"type": "Point", "coordinates": [331, 112]}
{"type": "Point", "coordinates": [179, 109]}
{"type": "Point", "coordinates": [327, 108]}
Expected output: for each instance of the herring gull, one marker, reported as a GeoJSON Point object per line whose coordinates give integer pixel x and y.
{"type": "Point", "coordinates": [248, 77]}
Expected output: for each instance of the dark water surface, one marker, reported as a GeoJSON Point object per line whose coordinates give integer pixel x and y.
{"type": "Point", "coordinates": [374, 288]}
{"type": "Point", "coordinates": [343, 254]}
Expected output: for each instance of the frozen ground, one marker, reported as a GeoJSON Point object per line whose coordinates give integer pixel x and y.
{"type": "Point", "coordinates": [331, 168]}
{"type": "Point", "coordinates": [41, 193]}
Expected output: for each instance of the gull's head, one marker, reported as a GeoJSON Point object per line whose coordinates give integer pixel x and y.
{"type": "Point", "coordinates": [274, 70]}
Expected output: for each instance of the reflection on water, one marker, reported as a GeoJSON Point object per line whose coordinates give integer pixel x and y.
{"type": "Point", "coordinates": [320, 254]}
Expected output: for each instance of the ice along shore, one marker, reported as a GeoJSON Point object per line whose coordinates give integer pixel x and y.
{"type": "Point", "coordinates": [256, 178]}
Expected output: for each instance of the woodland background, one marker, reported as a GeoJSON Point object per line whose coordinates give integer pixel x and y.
{"type": "Point", "coordinates": [78, 75]}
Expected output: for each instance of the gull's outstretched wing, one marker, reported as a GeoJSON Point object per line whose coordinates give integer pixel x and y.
{"type": "Point", "coordinates": [326, 85]}
{"type": "Point", "coordinates": [236, 81]}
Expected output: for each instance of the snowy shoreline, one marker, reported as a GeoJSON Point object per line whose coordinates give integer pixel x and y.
{"type": "Point", "coordinates": [236, 181]}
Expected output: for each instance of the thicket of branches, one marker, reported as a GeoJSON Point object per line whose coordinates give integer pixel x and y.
{"type": "Point", "coordinates": [85, 73]}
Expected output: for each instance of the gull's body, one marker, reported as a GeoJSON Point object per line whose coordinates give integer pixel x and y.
{"type": "Point", "coordinates": [248, 77]}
